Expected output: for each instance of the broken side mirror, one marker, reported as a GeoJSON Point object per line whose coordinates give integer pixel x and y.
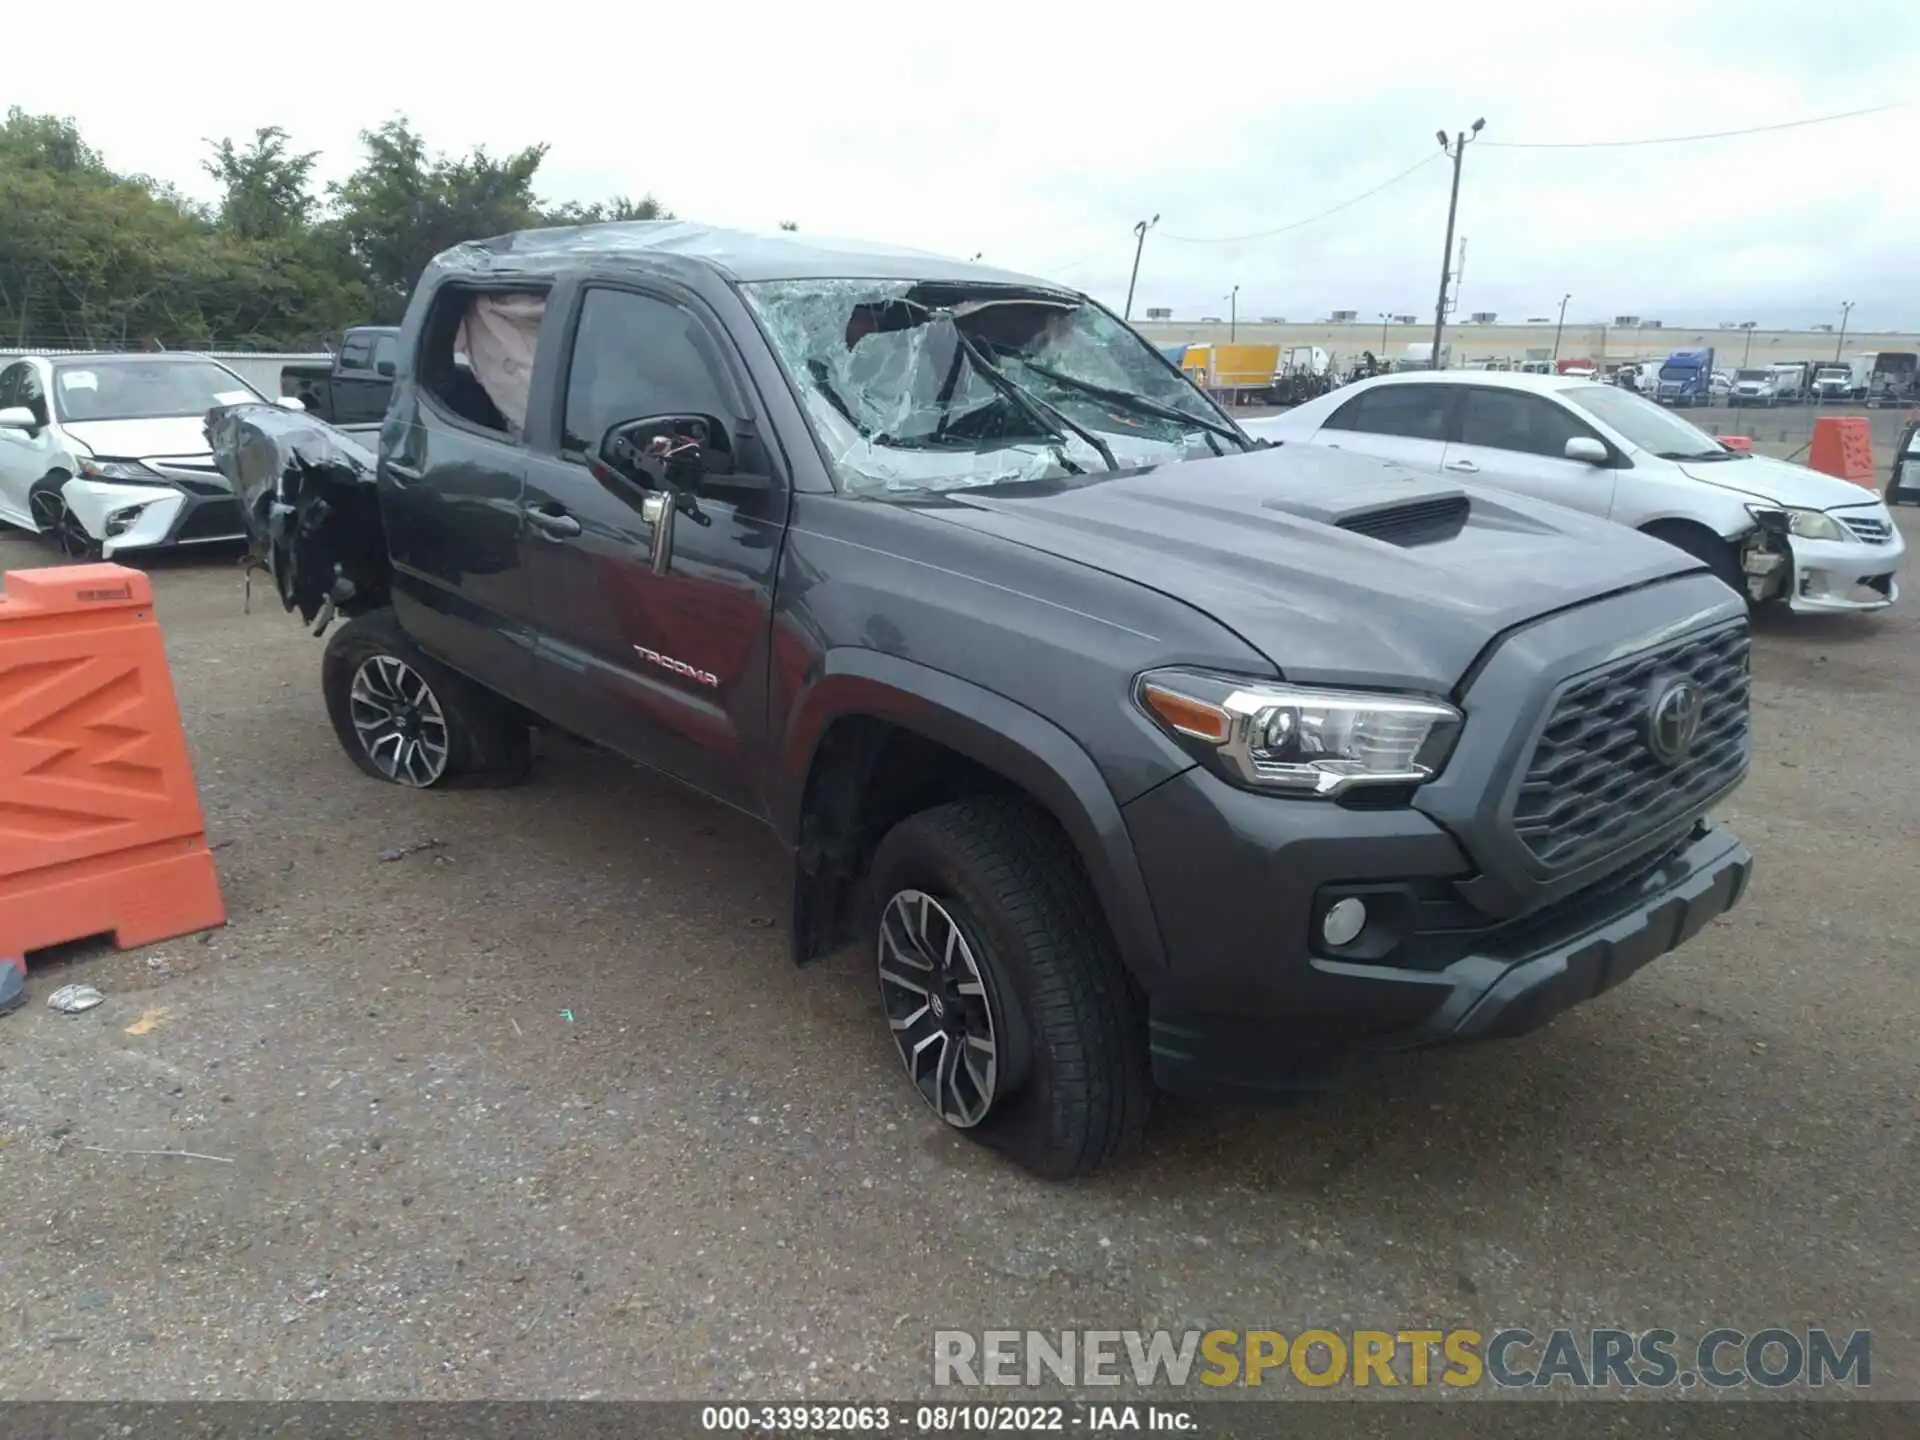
{"type": "Point", "coordinates": [661, 452]}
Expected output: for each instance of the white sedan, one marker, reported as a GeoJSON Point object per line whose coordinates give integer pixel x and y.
{"type": "Point", "coordinates": [108, 453]}
{"type": "Point", "coordinates": [1777, 532]}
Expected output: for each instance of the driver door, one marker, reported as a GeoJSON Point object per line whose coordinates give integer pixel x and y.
{"type": "Point", "coordinates": [665, 663]}
{"type": "Point", "coordinates": [25, 458]}
{"type": "Point", "coordinates": [1517, 441]}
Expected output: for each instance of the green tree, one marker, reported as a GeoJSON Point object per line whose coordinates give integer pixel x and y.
{"type": "Point", "coordinates": [266, 189]}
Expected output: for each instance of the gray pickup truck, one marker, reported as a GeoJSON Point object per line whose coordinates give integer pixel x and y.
{"type": "Point", "coordinates": [1128, 749]}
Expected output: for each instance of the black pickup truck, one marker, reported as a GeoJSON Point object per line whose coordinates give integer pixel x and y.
{"type": "Point", "coordinates": [353, 389]}
{"type": "Point", "coordinates": [1127, 748]}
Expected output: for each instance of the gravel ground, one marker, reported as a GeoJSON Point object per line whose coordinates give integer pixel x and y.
{"type": "Point", "coordinates": [542, 1110]}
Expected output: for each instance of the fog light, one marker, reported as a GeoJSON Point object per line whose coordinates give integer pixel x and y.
{"type": "Point", "coordinates": [122, 520]}
{"type": "Point", "coordinates": [1343, 922]}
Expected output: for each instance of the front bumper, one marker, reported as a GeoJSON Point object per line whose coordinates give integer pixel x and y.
{"type": "Point", "coordinates": [168, 516]}
{"type": "Point", "coordinates": [1844, 576]}
{"type": "Point", "coordinates": [1504, 981]}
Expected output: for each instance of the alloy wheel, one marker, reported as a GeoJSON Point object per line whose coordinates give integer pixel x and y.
{"type": "Point", "coordinates": [399, 721]}
{"type": "Point", "coordinates": [56, 518]}
{"type": "Point", "coordinates": [939, 1008]}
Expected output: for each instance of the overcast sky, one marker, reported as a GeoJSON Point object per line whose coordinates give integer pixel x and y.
{"type": "Point", "coordinates": [1039, 135]}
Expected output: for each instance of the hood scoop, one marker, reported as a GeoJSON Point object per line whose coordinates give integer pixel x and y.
{"type": "Point", "coordinates": [1396, 512]}
{"type": "Point", "coordinates": [1421, 522]}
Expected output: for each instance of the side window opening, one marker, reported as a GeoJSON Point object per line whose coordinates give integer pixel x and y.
{"type": "Point", "coordinates": [1512, 420]}
{"type": "Point", "coordinates": [355, 351]}
{"type": "Point", "coordinates": [477, 355]}
{"type": "Point", "coordinates": [386, 352]}
{"type": "Point", "coordinates": [1416, 412]}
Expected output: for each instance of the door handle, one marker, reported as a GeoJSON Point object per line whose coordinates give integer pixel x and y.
{"type": "Point", "coordinates": [553, 526]}
{"type": "Point", "coordinates": [1464, 466]}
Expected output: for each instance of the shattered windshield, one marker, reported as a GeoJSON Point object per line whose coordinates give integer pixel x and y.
{"type": "Point", "coordinates": [929, 386]}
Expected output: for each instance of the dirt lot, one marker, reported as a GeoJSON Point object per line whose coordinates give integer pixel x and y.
{"type": "Point", "coordinates": [545, 1111]}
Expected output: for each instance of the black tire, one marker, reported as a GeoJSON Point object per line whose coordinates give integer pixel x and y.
{"type": "Point", "coordinates": [1073, 1087]}
{"type": "Point", "coordinates": [484, 742]}
{"type": "Point", "coordinates": [59, 526]}
{"type": "Point", "coordinates": [1709, 549]}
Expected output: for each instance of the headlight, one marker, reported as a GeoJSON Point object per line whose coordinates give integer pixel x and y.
{"type": "Point", "coordinates": [1299, 739]}
{"type": "Point", "coordinates": [1807, 524]}
{"type": "Point", "coordinates": [126, 472]}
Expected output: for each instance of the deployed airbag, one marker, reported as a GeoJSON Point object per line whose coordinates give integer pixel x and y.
{"type": "Point", "coordinates": [499, 337]}
{"type": "Point", "coordinates": [307, 495]}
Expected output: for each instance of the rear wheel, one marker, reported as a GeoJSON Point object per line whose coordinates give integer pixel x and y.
{"type": "Point", "coordinates": [57, 522]}
{"type": "Point", "coordinates": [407, 720]}
{"type": "Point", "coordinates": [1007, 1001]}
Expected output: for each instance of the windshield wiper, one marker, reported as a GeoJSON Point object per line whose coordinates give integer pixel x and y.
{"type": "Point", "coordinates": [1037, 409]}
{"type": "Point", "coordinates": [1139, 404]}
{"type": "Point", "coordinates": [1702, 455]}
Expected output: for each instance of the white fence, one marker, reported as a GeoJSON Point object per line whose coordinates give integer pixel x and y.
{"type": "Point", "coordinates": [260, 369]}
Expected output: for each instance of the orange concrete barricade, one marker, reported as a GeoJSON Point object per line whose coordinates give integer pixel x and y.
{"type": "Point", "coordinates": [1843, 447]}
{"type": "Point", "coordinates": [100, 825]}
{"type": "Point", "coordinates": [1741, 443]}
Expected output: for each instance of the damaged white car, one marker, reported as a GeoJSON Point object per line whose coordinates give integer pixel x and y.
{"type": "Point", "coordinates": [1776, 532]}
{"type": "Point", "coordinates": [108, 453]}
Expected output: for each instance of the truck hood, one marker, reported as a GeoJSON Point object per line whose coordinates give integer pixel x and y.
{"type": "Point", "coordinates": [1255, 541]}
{"type": "Point", "coordinates": [169, 437]}
{"type": "Point", "coordinates": [1779, 483]}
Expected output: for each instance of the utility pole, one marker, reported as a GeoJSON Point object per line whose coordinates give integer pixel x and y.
{"type": "Point", "coordinates": [1233, 315]}
{"type": "Point", "coordinates": [1746, 353]}
{"type": "Point", "coordinates": [1140, 229]}
{"type": "Point", "coordinates": [1458, 152]}
{"type": "Point", "coordinates": [1558, 328]}
{"type": "Point", "coordinates": [1845, 311]}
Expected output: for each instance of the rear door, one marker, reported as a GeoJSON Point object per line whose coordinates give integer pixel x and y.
{"type": "Point", "coordinates": [451, 484]}
{"type": "Point", "coordinates": [1404, 422]}
{"type": "Point", "coordinates": [668, 666]}
{"type": "Point", "coordinates": [1517, 441]}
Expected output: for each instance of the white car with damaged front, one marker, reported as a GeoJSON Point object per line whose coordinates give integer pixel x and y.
{"type": "Point", "coordinates": [1776, 531]}
{"type": "Point", "coordinates": [108, 453]}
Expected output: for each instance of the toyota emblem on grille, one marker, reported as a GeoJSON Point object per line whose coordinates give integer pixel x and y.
{"type": "Point", "coordinates": [1674, 721]}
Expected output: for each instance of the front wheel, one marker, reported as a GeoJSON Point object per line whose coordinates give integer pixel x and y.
{"type": "Point", "coordinates": [1005, 996]}
{"type": "Point", "coordinates": [1709, 549]}
{"type": "Point", "coordinates": [405, 719]}
{"type": "Point", "coordinates": [55, 519]}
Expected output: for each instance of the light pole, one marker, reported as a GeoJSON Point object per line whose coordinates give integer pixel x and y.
{"type": "Point", "coordinates": [1458, 152]}
{"type": "Point", "coordinates": [1233, 314]}
{"type": "Point", "coordinates": [1384, 318]}
{"type": "Point", "coordinates": [1561, 325]}
{"type": "Point", "coordinates": [1746, 354]}
{"type": "Point", "coordinates": [1845, 311]}
{"type": "Point", "coordinates": [1140, 228]}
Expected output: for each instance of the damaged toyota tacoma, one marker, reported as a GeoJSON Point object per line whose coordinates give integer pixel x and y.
{"type": "Point", "coordinates": [1129, 749]}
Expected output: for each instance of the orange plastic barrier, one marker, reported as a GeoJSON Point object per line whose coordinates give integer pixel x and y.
{"type": "Point", "coordinates": [100, 825]}
{"type": "Point", "coordinates": [1843, 447]}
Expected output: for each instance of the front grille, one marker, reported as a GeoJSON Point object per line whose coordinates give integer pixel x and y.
{"type": "Point", "coordinates": [1595, 784]}
{"type": "Point", "coordinates": [1874, 532]}
{"type": "Point", "coordinates": [1423, 522]}
{"type": "Point", "coordinates": [214, 520]}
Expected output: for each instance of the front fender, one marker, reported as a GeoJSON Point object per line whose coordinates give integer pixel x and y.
{"type": "Point", "coordinates": [993, 731]}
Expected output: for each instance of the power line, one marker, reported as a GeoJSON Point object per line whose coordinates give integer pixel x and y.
{"type": "Point", "coordinates": [1310, 220]}
{"type": "Point", "coordinates": [1689, 139]}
